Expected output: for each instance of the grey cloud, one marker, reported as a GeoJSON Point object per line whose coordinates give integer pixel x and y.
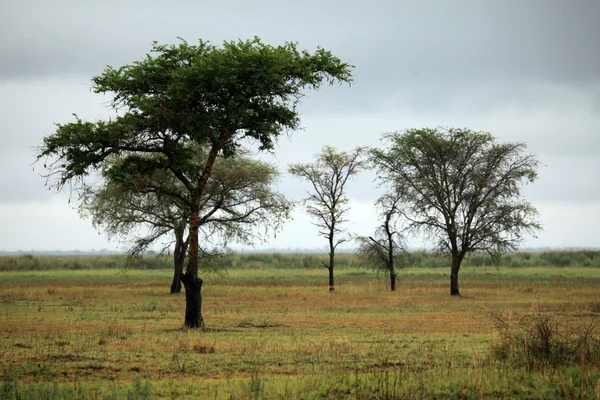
{"type": "Point", "coordinates": [567, 145]}
{"type": "Point", "coordinates": [565, 179]}
{"type": "Point", "coordinates": [522, 70]}
{"type": "Point", "coordinates": [30, 109]}
{"type": "Point", "coordinates": [470, 41]}
{"type": "Point", "coordinates": [20, 181]}
{"type": "Point", "coordinates": [423, 56]}
{"type": "Point", "coordinates": [393, 43]}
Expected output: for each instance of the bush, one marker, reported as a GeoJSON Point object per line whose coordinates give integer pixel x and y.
{"type": "Point", "coordinates": [547, 338]}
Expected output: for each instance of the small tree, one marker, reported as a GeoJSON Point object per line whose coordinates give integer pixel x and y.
{"type": "Point", "coordinates": [384, 250]}
{"type": "Point", "coordinates": [187, 97]}
{"type": "Point", "coordinates": [327, 203]}
{"type": "Point", "coordinates": [461, 188]}
{"type": "Point", "coordinates": [237, 201]}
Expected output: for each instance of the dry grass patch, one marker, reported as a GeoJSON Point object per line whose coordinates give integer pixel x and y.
{"type": "Point", "coordinates": [266, 334]}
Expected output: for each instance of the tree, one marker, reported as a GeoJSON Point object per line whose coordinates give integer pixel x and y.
{"type": "Point", "coordinates": [185, 97]}
{"type": "Point", "coordinates": [462, 188]}
{"type": "Point", "coordinates": [381, 252]}
{"type": "Point", "coordinates": [238, 199]}
{"type": "Point", "coordinates": [327, 203]}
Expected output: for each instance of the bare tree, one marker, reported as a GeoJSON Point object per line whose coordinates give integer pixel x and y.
{"type": "Point", "coordinates": [384, 252]}
{"type": "Point", "coordinates": [327, 202]}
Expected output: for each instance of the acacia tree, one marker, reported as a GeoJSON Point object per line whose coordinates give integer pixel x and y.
{"type": "Point", "coordinates": [382, 251]}
{"type": "Point", "coordinates": [184, 97]}
{"type": "Point", "coordinates": [238, 199]}
{"type": "Point", "coordinates": [462, 188]}
{"type": "Point", "coordinates": [327, 203]}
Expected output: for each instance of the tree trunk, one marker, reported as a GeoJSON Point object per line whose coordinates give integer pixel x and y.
{"type": "Point", "coordinates": [178, 258]}
{"type": "Point", "coordinates": [176, 284]}
{"type": "Point", "coordinates": [331, 263]}
{"type": "Point", "coordinates": [331, 287]}
{"type": "Point", "coordinates": [456, 261]}
{"type": "Point", "coordinates": [191, 282]}
{"type": "Point", "coordinates": [390, 255]}
{"type": "Point", "coordinates": [179, 261]}
{"type": "Point", "coordinates": [193, 301]}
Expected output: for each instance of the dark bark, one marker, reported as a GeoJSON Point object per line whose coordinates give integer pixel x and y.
{"type": "Point", "coordinates": [179, 254]}
{"type": "Point", "coordinates": [456, 261]}
{"type": "Point", "coordinates": [193, 301]}
{"type": "Point", "coordinates": [388, 257]}
{"type": "Point", "coordinates": [192, 265]}
{"type": "Point", "coordinates": [191, 282]}
{"type": "Point", "coordinates": [390, 250]}
{"type": "Point", "coordinates": [176, 284]}
{"type": "Point", "coordinates": [331, 261]}
{"type": "Point", "coordinates": [193, 297]}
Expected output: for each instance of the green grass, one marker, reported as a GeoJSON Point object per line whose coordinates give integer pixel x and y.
{"type": "Point", "coordinates": [279, 333]}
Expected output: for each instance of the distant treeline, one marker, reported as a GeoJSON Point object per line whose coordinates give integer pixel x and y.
{"type": "Point", "coordinates": [28, 262]}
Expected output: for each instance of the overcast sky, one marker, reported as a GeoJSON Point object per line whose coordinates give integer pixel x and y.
{"type": "Point", "coordinates": [521, 70]}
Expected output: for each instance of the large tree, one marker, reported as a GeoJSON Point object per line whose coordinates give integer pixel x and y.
{"type": "Point", "coordinates": [327, 201]}
{"type": "Point", "coordinates": [238, 204]}
{"type": "Point", "coordinates": [461, 188]}
{"type": "Point", "coordinates": [383, 251]}
{"type": "Point", "coordinates": [184, 97]}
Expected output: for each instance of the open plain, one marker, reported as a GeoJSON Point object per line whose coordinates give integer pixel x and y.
{"type": "Point", "coordinates": [279, 333]}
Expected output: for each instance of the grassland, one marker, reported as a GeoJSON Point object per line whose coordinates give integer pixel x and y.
{"type": "Point", "coordinates": [279, 333]}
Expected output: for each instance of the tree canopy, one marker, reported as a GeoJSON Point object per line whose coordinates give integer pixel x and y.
{"type": "Point", "coordinates": [238, 204]}
{"type": "Point", "coordinates": [192, 93]}
{"type": "Point", "coordinates": [182, 98]}
{"type": "Point", "coordinates": [383, 251]}
{"type": "Point", "coordinates": [461, 188]}
{"type": "Point", "coordinates": [238, 198]}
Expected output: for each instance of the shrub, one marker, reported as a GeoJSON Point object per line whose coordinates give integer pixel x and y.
{"type": "Point", "coordinates": [546, 338]}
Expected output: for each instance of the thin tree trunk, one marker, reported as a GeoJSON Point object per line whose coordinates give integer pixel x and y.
{"type": "Point", "coordinates": [176, 283]}
{"type": "Point", "coordinates": [178, 257]}
{"type": "Point", "coordinates": [456, 261]}
{"type": "Point", "coordinates": [331, 263]}
{"type": "Point", "coordinates": [179, 261]}
{"type": "Point", "coordinates": [390, 254]}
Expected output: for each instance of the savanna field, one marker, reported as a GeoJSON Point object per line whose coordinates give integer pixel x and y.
{"type": "Point", "coordinates": [100, 328]}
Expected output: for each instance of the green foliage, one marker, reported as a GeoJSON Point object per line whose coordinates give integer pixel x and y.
{"type": "Point", "coordinates": [181, 94]}
{"type": "Point", "coordinates": [238, 203]}
{"type": "Point", "coordinates": [461, 187]}
{"type": "Point", "coordinates": [183, 99]}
